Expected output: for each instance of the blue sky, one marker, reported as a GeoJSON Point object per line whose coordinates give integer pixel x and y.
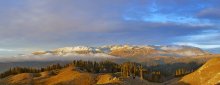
{"type": "Point", "coordinates": [28, 25]}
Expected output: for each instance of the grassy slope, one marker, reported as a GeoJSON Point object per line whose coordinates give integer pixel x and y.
{"type": "Point", "coordinates": [208, 74]}
{"type": "Point", "coordinates": [70, 76]}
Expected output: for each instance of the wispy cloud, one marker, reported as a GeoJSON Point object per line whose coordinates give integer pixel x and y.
{"type": "Point", "coordinates": [210, 13]}
{"type": "Point", "coordinates": [198, 45]}
{"type": "Point", "coordinates": [6, 50]}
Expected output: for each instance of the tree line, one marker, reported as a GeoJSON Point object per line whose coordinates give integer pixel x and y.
{"type": "Point", "coordinates": [159, 73]}
{"type": "Point", "coordinates": [18, 70]}
{"type": "Point", "coordinates": [88, 66]}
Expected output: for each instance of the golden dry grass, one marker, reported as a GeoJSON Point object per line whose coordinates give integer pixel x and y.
{"type": "Point", "coordinates": [20, 79]}
{"type": "Point", "coordinates": [70, 76]}
{"type": "Point", "coordinates": [208, 74]}
{"type": "Point", "coordinates": [66, 76]}
{"type": "Point", "coordinates": [106, 79]}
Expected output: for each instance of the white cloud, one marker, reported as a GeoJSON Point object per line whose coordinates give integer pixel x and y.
{"type": "Point", "coordinates": [6, 50]}
{"type": "Point", "coordinates": [204, 35]}
{"type": "Point", "coordinates": [177, 19]}
{"type": "Point", "coordinates": [51, 57]}
{"type": "Point", "coordinates": [198, 45]}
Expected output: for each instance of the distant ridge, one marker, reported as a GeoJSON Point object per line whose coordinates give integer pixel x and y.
{"type": "Point", "coordinates": [129, 50]}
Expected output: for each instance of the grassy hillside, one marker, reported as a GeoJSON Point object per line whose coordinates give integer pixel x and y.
{"type": "Point", "coordinates": [208, 74]}
{"type": "Point", "coordinates": [70, 76]}
{"type": "Point", "coordinates": [80, 72]}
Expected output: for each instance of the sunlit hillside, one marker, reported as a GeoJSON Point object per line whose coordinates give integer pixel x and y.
{"type": "Point", "coordinates": [208, 74]}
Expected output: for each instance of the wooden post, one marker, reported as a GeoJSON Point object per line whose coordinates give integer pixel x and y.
{"type": "Point", "coordinates": [141, 72]}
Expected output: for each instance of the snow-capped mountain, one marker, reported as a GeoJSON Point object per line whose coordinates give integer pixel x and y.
{"type": "Point", "coordinates": [148, 54]}
{"type": "Point", "coordinates": [77, 49]}
{"type": "Point", "coordinates": [128, 50]}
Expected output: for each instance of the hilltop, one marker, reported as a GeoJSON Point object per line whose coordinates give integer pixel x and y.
{"type": "Point", "coordinates": [208, 74]}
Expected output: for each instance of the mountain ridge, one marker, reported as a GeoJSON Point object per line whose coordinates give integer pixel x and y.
{"type": "Point", "coordinates": [129, 50]}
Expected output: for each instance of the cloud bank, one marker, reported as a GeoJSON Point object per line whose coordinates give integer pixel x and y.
{"type": "Point", "coordinates": [50, 57]}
